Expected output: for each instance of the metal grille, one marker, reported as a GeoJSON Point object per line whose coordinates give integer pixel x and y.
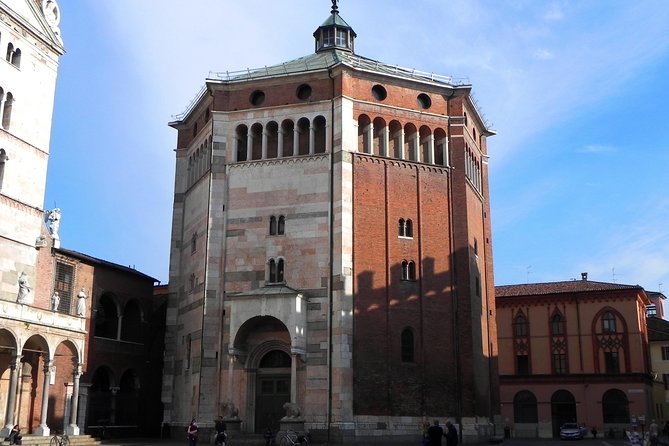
{"type": "Point", "coordinates": [64, 283]}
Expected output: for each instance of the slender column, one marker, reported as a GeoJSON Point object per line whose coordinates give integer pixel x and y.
{"type": "Point", "coordinates": [369, 130]}
{"type": "Point", "coordinates": [264, 144]}
{"type": "Point", "coordinates": [119, 327]}
{"type": "Point", "coordinates": [112, 404]}
{"type": "Point", "coordinates": [400, 141]}
{"type": "Point", "coordinates": [279, 143]}
{"type": "Point", "coordinates": [416, 146]}
{"type": "Point", "coordinates": [385, 141]}
{"type": "Point", "coordinates": [296, 141]}
{"type": "Point", "coordinates": [43, 430]}
{"type": "Point", "coordinates": [73, 429]}
{"type": "Point", "coordinates": [312, 139]}
{"type": "Point", "coordinates": [293, 377]}
{"type": "Point", "coordinates": [11, 397]}
{"type": "Point", "coordinates": [430, 148]}
{"type": "Point", "coordinates": [249, 145]}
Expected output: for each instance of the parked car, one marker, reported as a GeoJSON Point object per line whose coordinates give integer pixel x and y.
{"type": "Point", "coordinates": [572, 431]}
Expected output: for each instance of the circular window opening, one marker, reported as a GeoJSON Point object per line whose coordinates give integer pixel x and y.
{"type": "Point", "coordinates": [304, 92]}
{"type": "Point", "coordinates": [424, 101]}
{"type": "Point", "coordinates": [379, 92]}
{"type": "Point", "coordinates": [257, 97]}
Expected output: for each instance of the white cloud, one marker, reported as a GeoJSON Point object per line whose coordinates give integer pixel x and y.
{"type": "Point", "coordinates": [596, 148]}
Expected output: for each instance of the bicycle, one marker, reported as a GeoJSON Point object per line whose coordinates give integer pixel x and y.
{"type": "Point", "coordinates": [291, 438]}
{"type": "Point", "coordinates": [60, 440]}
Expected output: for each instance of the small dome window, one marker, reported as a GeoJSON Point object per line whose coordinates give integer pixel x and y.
{"type": "Point", "coordinates": [424, 101]}
{"type": "Point", "coordinates": [379, 92]}
{"type": "Point", "coordinates": [303, 92]}
{"type": "Point", "coordinates": [257, 97]}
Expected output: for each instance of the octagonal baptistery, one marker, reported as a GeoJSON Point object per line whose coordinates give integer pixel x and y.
{"type": "Point", "coordinates": [331, 264]}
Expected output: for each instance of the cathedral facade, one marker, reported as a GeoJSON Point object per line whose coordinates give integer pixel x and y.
{"type": "Point", "coordinates": [331, 261]}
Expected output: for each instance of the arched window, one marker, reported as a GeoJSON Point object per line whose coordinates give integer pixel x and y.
{"type": "Point", "coordinates": [16, 58]}
{"type": "Point", "coordinates": [10, 50]}
{"type": "Point", "coordinates": [520, 326]}
{"type": "Point", "coordinates": [557, 325]}
{"type": "Point", "coordinates": [407, 346]}
{"type": "Point", "coordinates": [3, 160]}
{"type": "Point", "coordinates": [272, 225]}
{"type": "Point", "coordinates": [7, 111]}
{"type": "Point", "coordinates": [281, 226]}
{"type": "Point", "coordinates": [106, 318]}
{"type": "Point", "coordinates": [615, 407]}
{"type": "Point", "coordinates": [525, 407]}
{"type": "Point", "coordinates": [405, 228]}
{"type": "Point", "coordinates": [408, 270]}
{"type": "Point", "coordinates": [276, 270]}
{"type": "Point", "coordinates": [131, 323]}
{"type": "Point", "coordinates": [241, 138]}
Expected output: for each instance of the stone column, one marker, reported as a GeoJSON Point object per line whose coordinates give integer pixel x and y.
{"type": "Point", "coordinates": [73, 429]}
{"type": "Point", "coordinates": [43, 430]}
{"type": "Point", "coordinates": [249, 145]}
{"type": "Point", "coordinates": [279, 143]}
{"type": "Point", "coordinates": [296, 140]}
{"type": "Point", "coordinates": [112, 404]}
{"type": "Point", "coordinates": [415, 143]}
{"type": "Point", "coordinates": [430, 148]}
{"type": "Point", "coordinates": [385, 141]}
{"type": "Point", "coordinates": [369, 130]}
{"type": "Point", "coordinates": [312, 139]}
{"type": "Point", "coordinates": [293, 376]}
{"type": "Point", "coordinates": [400, 142]}
{"type": "Point", "coordinates": [264, 144]}
{"type": "Point", "coordinates": [119, 327]}
{"type": "Point", "coordinates": [11, 397]}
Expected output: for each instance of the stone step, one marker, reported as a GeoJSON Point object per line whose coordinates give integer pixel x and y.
{"type": "Point", "coordinates": [75, 440]}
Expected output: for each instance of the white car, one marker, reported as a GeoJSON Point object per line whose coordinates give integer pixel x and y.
{"type": "Point", "coordinates": [572, 431]}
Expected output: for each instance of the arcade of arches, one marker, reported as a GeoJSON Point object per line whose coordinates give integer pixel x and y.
{"type": "Point", "coordinates": [32, 369]}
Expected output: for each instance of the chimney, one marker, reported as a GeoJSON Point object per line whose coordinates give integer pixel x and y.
{"type": "Point", "coordinates": [584, 276]}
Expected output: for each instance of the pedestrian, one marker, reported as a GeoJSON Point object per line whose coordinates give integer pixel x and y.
{"type": "Point", "coordinates": [192, 432]}
{"type": "Point", "coordinates": [221, 435]}
{"type": "Point", "coordinates": [434, 434]}
{"type": "Point", "coordinates": [451, 434]}
{"type": "Point", "coordinates": [15, 435]}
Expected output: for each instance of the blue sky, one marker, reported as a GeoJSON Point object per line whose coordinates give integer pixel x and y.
{"type": "Point", "coordinates": [577, 91]}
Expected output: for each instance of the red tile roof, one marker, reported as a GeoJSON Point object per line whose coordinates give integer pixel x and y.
{"type": "Point", "coordinates": [571, 286]}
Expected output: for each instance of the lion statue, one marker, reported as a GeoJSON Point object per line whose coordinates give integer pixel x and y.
{"type": "Point", "coordinates": [229, 411]}
{"type": "Point", "coordinates": [292, 411]}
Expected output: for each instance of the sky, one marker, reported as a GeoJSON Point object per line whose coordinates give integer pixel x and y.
{"type": "Point", "coordinates": [577, 91]}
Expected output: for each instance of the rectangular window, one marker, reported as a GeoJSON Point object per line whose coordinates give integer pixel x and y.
{"type": "Point", "coordinates": [522, 365]}
{"type": "Point", "coordinates": [665, 352]}
{"type": "Point", "coordinates": [665, 379]}
{"type": "Point", "coordinates": [328, 37]}
{"type": "Point", "coordinates": [611, 361]}
{"type": "Point", "coordinates": [341, 37]}
{"type": "Point", "coordinates": [64, 283]}
{"type": "Point", "coordinates": [560, 363]}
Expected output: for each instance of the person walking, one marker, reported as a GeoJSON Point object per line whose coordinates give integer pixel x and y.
{"type": "Point", "coordinates": [451, 434]}
{"type": "Point", "coordinates": [434, 434]}
{"type": "Point", "coordinates": [192, 433]}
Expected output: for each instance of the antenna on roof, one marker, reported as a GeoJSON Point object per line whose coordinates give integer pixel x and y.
{"type": "Point", "coordinates": [527, 270]}
{"type": "Point", "coordinates": [613, 274]}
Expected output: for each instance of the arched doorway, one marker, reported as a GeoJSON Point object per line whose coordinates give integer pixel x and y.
{"type": "Point", "coordinates": [100, 398]}
{"type": "Point", "coordinates": [615, 408]}
{"type": "Point", "coordinates": [563, 410]}
{"type": "Point", "coordinates": [272, 390]}
{"type": "Point", "coordinates": [7, 368]}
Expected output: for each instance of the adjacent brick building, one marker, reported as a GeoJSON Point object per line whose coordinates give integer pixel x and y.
{"type": "Point", "coordinates": [574, 351]}
{"type": "Point", "coordinates": [331, 247]}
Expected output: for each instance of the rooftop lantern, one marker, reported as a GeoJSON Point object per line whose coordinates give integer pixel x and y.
{"type": "Point", "coordinates": [334, 33]}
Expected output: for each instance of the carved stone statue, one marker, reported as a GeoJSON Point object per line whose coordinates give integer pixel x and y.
{"type": "Point", "coordinates": [54, 220]}
{"type": "Point", "coordinates": [55, 301]}
{"type": "Point", "coordinates": [292, 411]}
{"type": "Point", "coordinates": [229, 411]}
{"type": "Point", "coordinates": [24, 288]}
{"type": "Point", "coordinates": [81, 303]}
